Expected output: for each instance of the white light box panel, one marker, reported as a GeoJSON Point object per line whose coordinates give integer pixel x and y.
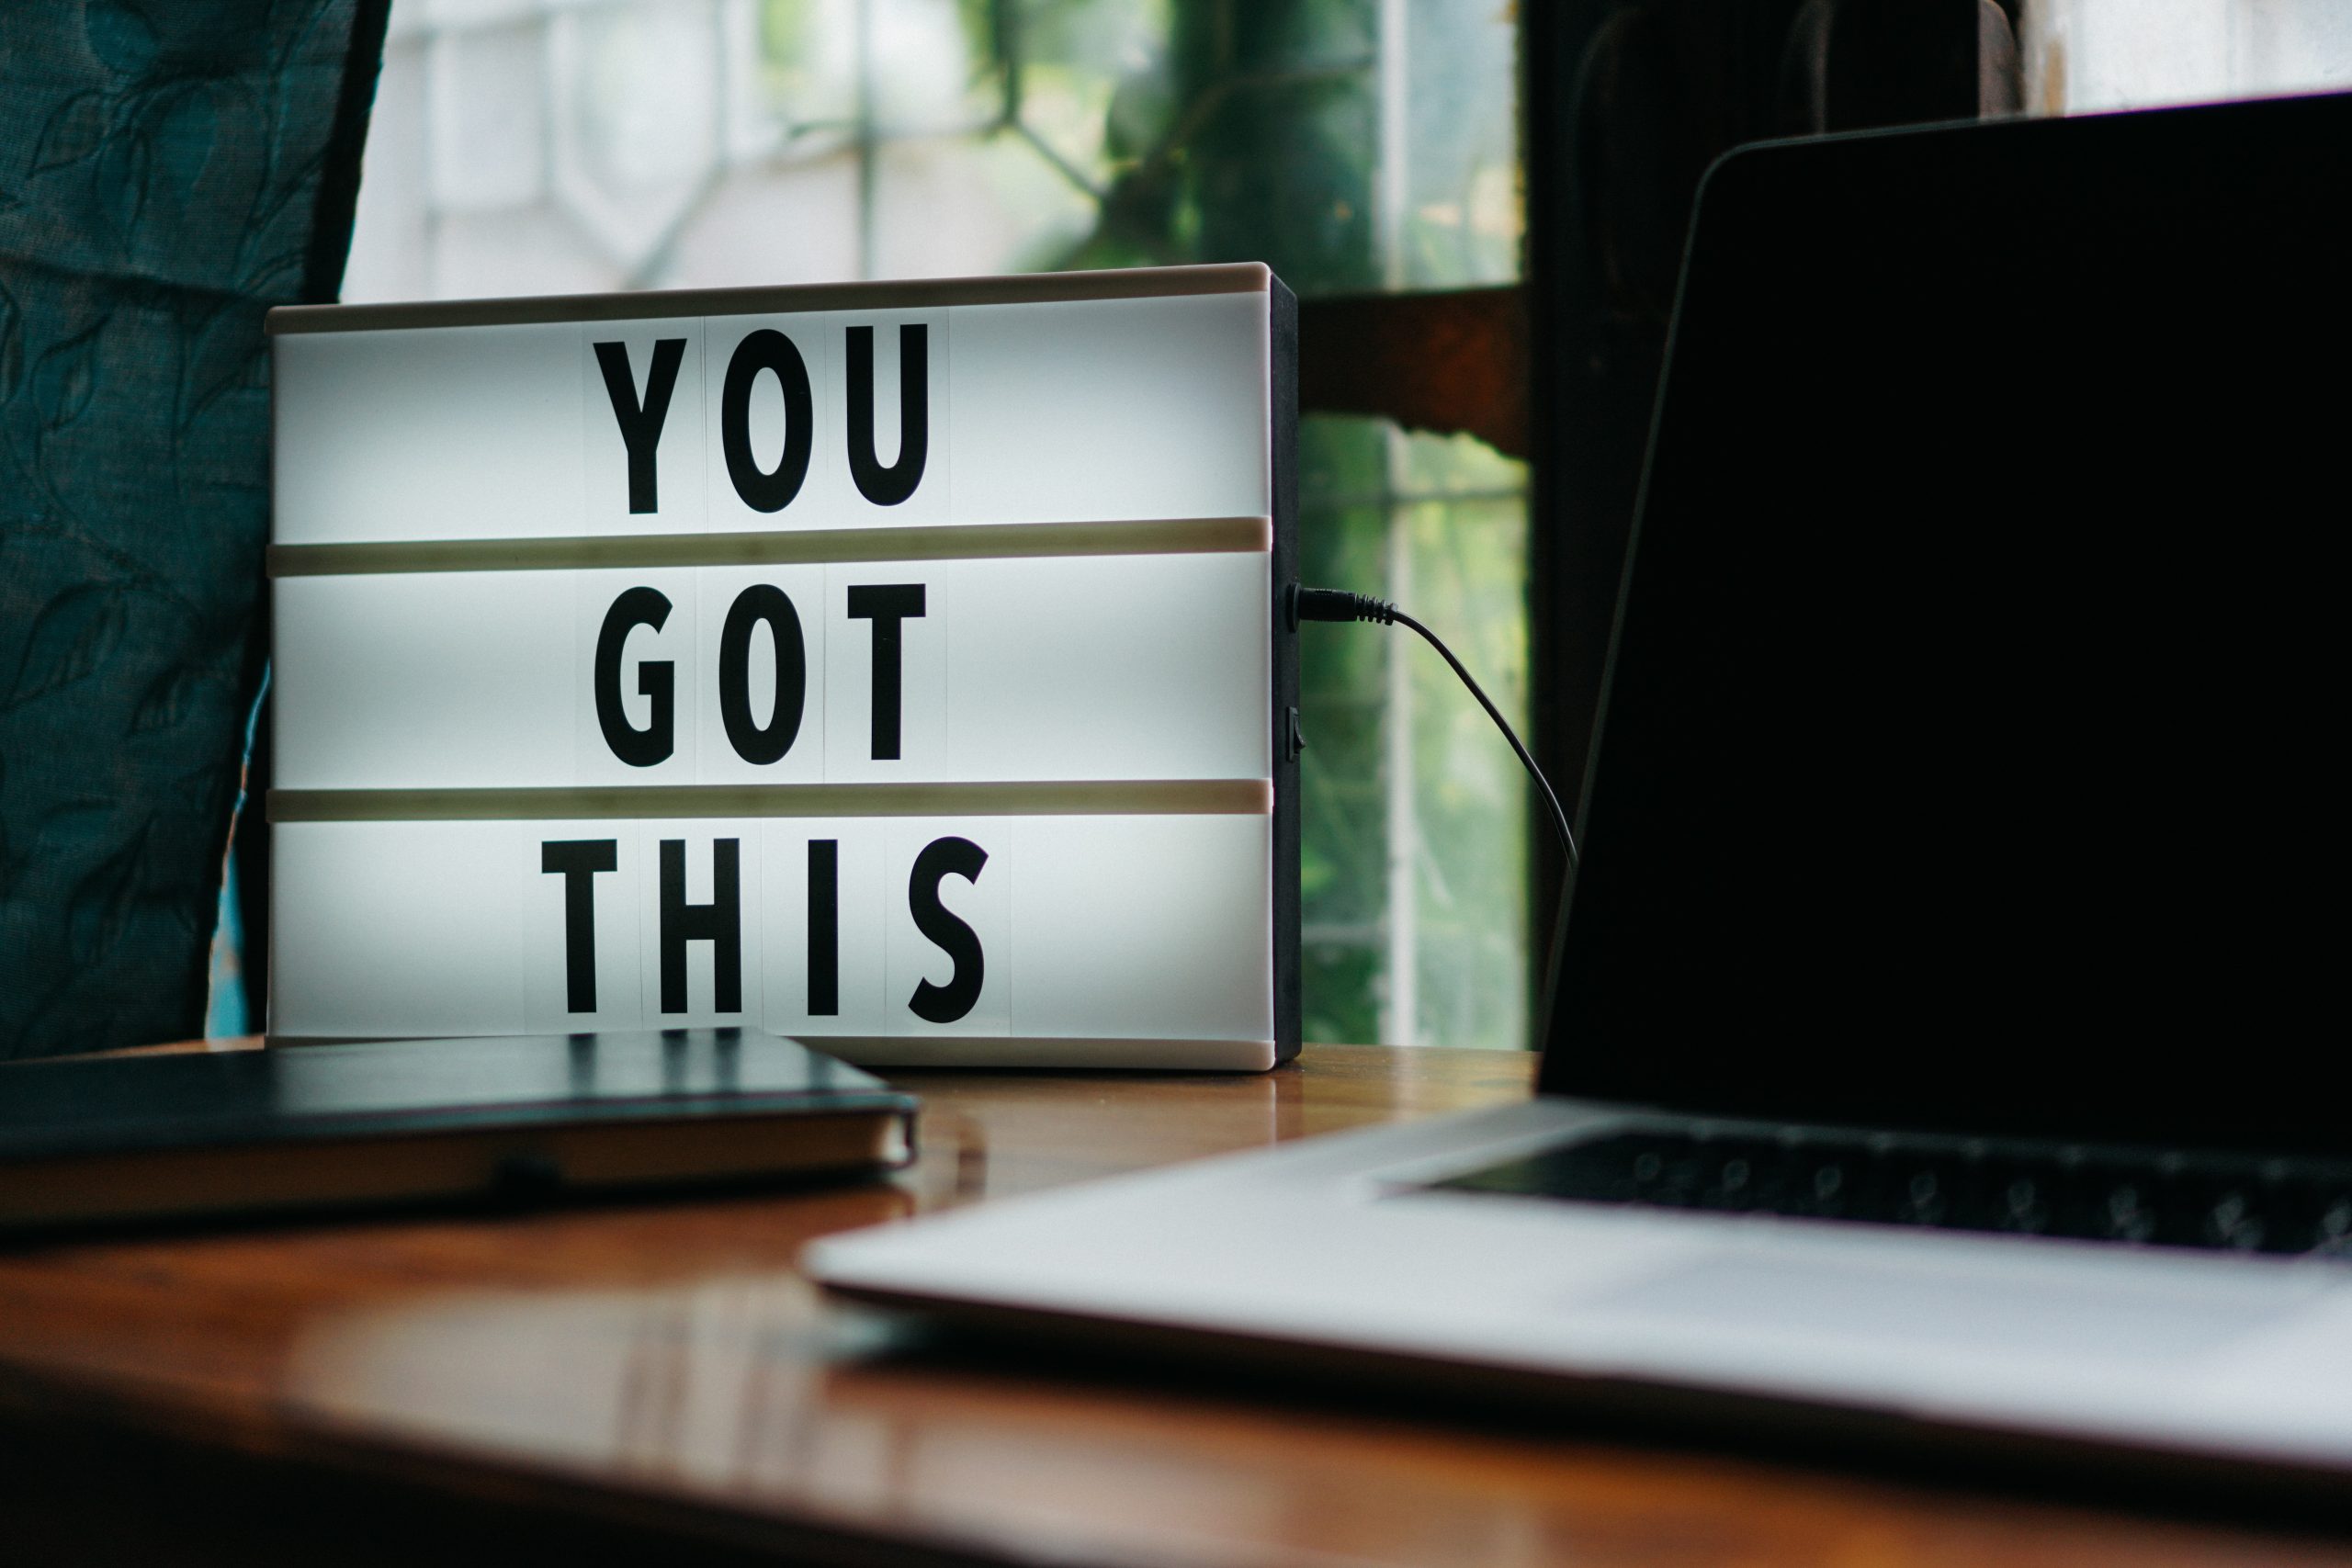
{"type": "Point", "coordinates": [896, 665]}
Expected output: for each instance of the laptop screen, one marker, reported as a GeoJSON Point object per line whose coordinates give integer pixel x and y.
{"type": "Point", "coordinates": [1972, 755]}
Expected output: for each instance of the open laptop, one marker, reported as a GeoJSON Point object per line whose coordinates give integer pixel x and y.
{"type": "Point", "coordinates": [1949, 1017]}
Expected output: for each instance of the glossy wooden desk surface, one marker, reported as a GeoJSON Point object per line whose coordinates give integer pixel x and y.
{"type": "Point", "coordinates": [662, 1367]}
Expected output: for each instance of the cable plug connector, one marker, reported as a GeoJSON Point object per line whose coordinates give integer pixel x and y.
{"type": "Point", "coordinates": [1337, 605]}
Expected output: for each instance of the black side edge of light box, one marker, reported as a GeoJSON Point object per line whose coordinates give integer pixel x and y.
{"type": "Point", "coordinates": [1282, 385]}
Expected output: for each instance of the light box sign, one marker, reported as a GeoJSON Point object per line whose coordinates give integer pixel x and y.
{"type": "Point", "coordinates": [893, 664]}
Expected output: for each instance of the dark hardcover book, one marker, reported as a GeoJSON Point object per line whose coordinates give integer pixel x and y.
{"type": "Point", "coordinates": [108, 1140]}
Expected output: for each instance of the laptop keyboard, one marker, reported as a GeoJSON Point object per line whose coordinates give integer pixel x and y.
{"type": "Point", "coordinates": [2154, 1201]}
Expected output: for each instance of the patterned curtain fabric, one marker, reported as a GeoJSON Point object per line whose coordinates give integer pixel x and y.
{"type": "Point", "coordinates": [168, 171]}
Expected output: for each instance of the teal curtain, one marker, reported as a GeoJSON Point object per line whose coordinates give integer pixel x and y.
{"type": "Point", "coordinates": [169, 170]}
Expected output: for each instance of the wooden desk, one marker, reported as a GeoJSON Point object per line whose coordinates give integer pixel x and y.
{"type": "Point", "coordinates": [658, 1380]}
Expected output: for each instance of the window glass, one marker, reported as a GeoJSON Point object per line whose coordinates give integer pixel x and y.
{"type": "Point", "coordinates": [2086, 55]}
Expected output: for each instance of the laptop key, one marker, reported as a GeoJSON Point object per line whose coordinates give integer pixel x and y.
{"type": "Point", "coordinates": [2219, 1206]}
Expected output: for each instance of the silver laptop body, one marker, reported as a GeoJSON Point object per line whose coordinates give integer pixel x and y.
{"type": "Point", "coordinates": [1946, 1023]}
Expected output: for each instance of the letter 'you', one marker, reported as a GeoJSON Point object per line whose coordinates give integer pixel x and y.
{"type": "Point", "coordinates": [888, 486]}
{"type": "Point", "coordinates": [766, 352]}
{"type": "Point", "coordinates": [641, 420]}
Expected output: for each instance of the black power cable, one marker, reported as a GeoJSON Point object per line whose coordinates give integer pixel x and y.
{"type": "Point", "coordinates": [1337, 605]}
